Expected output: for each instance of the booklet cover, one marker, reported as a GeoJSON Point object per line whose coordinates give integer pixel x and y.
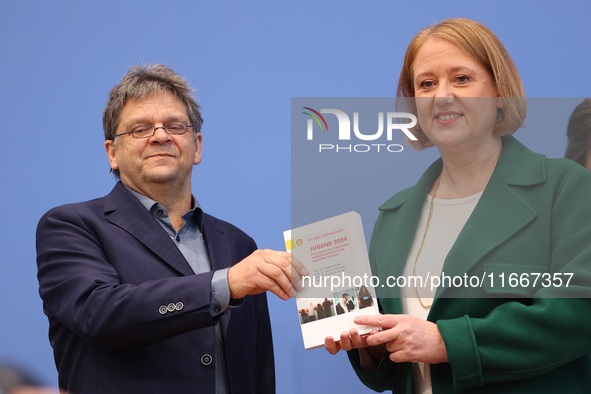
{"type": "Point", "coordinates": [338, 286]}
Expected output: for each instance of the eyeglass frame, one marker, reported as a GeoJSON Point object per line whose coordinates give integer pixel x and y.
{"type": "Point", "coordinates": [163, 127]}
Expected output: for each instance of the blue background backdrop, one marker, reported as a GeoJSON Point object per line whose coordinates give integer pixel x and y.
{"type": "Point", "coordinates": [246, 60]}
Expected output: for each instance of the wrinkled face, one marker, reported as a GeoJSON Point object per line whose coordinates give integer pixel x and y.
{"type": "Point", "coordinates": [455, 95]}
{"type": "Point", "coordinates": [160, 159]}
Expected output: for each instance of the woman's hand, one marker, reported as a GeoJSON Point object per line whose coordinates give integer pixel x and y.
{"type": "Point", "coordinates": [407, 338]}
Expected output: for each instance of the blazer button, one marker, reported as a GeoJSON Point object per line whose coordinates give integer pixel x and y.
{"type": "Point", "coordinates": [206, 359]}
{"type": "Point", "coordinates": [179, 306]}
{"type": "Point", "coordinates": [163, 309]}
{"type": "Point", "coordinates": [171, 307]}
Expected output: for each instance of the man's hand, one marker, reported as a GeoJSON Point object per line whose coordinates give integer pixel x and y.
{"type": "Point", "coordinates": [266, 270]}
{"type": "Point", "coordinates": [369, 357]}
{"type": "Point", "coordinates": [349, 340]}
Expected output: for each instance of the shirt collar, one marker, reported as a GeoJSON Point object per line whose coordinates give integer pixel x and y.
{"type": "Point", "coordinates": [151, 205]}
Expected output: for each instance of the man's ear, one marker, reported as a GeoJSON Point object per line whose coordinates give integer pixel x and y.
{"type": "Point", "coordinates": [111, 148]}
{"type": "Point", "coordinates": [198, 143]}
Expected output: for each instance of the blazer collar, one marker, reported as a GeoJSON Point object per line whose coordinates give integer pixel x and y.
{"type": "Point", "coordinates": [501, 212]}
{"type": "Point", "coordinates": [125, 211]}
{"type": "Point", "coordinates": [517, 166]}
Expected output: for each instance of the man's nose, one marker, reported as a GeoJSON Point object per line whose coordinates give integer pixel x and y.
{"type": "Point", "coordinates": [160, 135]}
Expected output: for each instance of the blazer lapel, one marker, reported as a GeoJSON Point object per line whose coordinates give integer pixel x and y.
{"type": "Point", "coordinates": [217, 242]}
{"type": "Point", "coordinates": [500, 213]}
{"type": "Point", "coordinates": [400, 231]}
{"type": "Point", "coordinates": [125, 211]}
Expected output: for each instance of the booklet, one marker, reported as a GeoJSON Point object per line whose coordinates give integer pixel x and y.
{"type": "Point", "coordinates": [338, 286]}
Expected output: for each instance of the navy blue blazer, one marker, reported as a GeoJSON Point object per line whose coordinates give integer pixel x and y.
{"type": "Point", "coordinates": [128, 315]}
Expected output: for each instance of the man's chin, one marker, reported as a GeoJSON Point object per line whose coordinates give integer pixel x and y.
{"type": "Point", "coordinates": [162, 175]}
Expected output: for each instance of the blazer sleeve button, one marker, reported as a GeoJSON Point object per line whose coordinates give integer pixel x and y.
{"type": "Point", "coordinates": [163, 309]}
{"type": "Point", "coordinates": [179, 306]}
{"type": "Point", "coordinates": [171, 307]}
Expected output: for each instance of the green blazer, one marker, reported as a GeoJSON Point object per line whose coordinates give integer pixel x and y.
{"type": "Point", "coordinates": [533, 220]}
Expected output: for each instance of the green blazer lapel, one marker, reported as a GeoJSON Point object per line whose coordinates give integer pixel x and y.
{"type": "Point", "coordinates": [395, 230]}
{"type": "Point", "coordinates": [500, 213]}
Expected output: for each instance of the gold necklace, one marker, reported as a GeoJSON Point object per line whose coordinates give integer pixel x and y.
{"type": "Point", "coordinates": [414, 268]}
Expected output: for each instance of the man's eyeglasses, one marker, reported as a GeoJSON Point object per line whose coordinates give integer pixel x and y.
{"type": "Point", "coordinates": [147, 130]}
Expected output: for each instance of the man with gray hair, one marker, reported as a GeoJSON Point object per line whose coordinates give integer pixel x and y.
{"type": "Point", "coordinates": [144, 291]}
